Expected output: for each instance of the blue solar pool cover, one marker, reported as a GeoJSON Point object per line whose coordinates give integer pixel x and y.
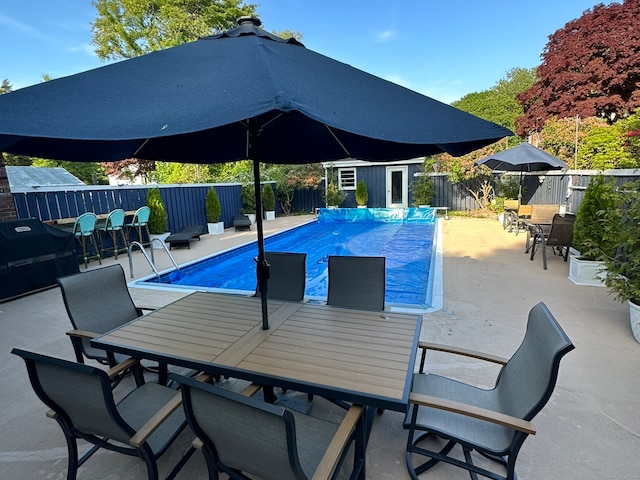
{"type": "Point", "coordinates": [404, 236]}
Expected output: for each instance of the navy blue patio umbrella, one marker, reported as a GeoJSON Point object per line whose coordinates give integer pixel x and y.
{"type": "Point", "coordinates": [523, 158]}
{"type": "Point", "coordinates": [242, 94]}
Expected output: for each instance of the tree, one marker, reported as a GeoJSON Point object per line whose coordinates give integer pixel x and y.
{"type": "Point", "coordinates": [289, 178]}
{"type": "Point", "coordinates": [5, 87]}
{"type": "Point", "coordinates": [130, 168]}
{"type": "Point", "coordinates": [129, 28]}
{"type": "Point", "coordinates": [499, 103]}
{"type": "Point", "coordinates": [590, 67]}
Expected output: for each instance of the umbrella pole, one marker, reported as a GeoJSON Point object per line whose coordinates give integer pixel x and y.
{"type": "Point", "coordinates": [262, 267]}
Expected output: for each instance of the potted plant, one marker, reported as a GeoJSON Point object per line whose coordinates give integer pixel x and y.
{"type": "Point", "coordinates": [622, 229]}
{"type": "Point", "coordinates": [212, 205]}
{"type": "Point", "coordinates": [589, 239]}
{"type": "Point", "coordinates": [248, 199]}
{"type": "Point", "coordinates": [157, 217]}
{"type": "Point", "coordinates": [422, 190]}
{"type": "Point", "coordinates": [361, 194]}
{"type": "Point", "coordinates": [268, 202]}
{"type": "Point", "coordinates": [334, 195]}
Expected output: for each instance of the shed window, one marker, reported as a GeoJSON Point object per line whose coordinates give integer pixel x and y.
{"type": "Point", "coordinates": [347, 178]}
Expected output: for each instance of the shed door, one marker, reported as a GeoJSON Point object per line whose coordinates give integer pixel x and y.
{"type": "Point", "coordinates": [397, 186]}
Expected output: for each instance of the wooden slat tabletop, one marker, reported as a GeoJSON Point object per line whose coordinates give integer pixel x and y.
{"type": "Point", "coordinates": [370, 353]}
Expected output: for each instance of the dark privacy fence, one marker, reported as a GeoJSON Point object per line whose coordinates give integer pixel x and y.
{"type": "Point", "coordinates": [185, 204]}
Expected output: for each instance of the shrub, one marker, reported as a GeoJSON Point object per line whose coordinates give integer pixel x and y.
{"type": "Point", "coordinates": [213, 206]}
{"type": "Point", "coordinates": [158, 214]}
{"type": "Point", "coordinates": [589, 228]}
{"type": "Point", "coordinates": [422, 190]}
{"type": "Point", "coordinates": [248, 198]}
{"type": "Point", "coordinates": [361, 193]}
{"type": "Point", "coordinates": [268, 198]}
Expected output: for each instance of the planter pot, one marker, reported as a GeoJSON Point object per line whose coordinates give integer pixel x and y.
{"type": "Point", "coordinates": [501, 218]}
{"type": "Point", "coordinates": [362, 206]}
{"type": "Point", "coordinates": [252, 217]}
{"type": "Point", "coordinates": [162, 236]}
{"type": "Point", "coordinates": [270, 215]}
{"type": "Point", "coordinates": [634, 317]}
{"type": "Point", "coordinates": [216, 228]}
{"type": "Point", "coordinates": [586, 272]}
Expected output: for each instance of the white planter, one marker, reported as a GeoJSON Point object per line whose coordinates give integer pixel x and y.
{"type": "Point", "coordinates": [252, 217]}
{"type": "Point", "coordinates": [270, 215]}
{"type": "Point", "coordinates": [157, 245]}
{"type": "Point", "coordinates": [586, 272]}
{"type": "Point", "coordinates": [362, 206]}
{"type": "Point", "coordinates": [634, 317]}
{"type": "Point", "coordinates": [216, 228]}
{"type": "Point", "coordinates": [501, 218]}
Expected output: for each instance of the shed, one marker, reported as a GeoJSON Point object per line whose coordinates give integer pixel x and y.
{"type": "Point", "coordinates": [387, 182]}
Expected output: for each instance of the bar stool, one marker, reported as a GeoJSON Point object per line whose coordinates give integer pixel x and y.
{"type": "Point", "coordinates": [140, 220]}
{"type": "Point", "coordinates": [112, 225]}
{"type": "Point", "coordinates": [85, 228]}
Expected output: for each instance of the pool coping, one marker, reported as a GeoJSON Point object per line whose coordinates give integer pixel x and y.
{"type": "Point", "coordinates": [435, 276]}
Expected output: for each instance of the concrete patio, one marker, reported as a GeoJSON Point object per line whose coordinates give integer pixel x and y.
{"type": "Point", "coordinates": [590, 429]}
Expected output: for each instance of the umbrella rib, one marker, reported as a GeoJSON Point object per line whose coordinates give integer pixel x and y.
{"type": "Point", "coordinates": [338, 140]}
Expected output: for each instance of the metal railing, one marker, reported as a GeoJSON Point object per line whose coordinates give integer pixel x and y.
{"type": "Point", "coordinates": [151, 260]}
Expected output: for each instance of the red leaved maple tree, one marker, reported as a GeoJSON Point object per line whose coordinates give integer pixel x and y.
{"type": "Point", "coordinates": [590, 67]}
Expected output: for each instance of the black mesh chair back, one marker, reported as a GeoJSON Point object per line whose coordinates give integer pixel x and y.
{"type": "Point", "coordinates": [287, 275]}
{"type": "Point", "coordinates": [247, 436]}
{"type": "Point", "coordinates": [97, 301]}
{"type": "Point", "coordinates": [356, 282]}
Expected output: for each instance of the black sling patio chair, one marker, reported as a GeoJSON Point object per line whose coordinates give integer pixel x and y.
{"type": "Point", "coordinates": [356, 282]}
{"type": "Point", "coordinates": [287, 275]}
{"type": "Point", "coordinates": [559, 236]}
{"type": "Point", "coordinates": [243, 436]}
{"type": "Point", "coordinates": [492, 422]}
{"type": "Point", "coordinates": [97, 301]}
{"type": "Point", "coordinates": [143, 424]}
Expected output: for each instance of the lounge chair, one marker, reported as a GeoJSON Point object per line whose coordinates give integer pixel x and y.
{"type": "Point", "coordinates": [493, 422]}
{"type": "Point", "coordinates": [246, 436]}
{"type": "Point", "coordinates": [183, 237]}
{"type": "Point", "coordinates": [143, 424]}
{"type": "Point", "coordinates": [241, 222]}
{"type": "Point", "coordinates": [356, 282]}
{"type": "Point", "coordinates": [559, 236]}
{"type": "Point", "coordinates": [287, 275]}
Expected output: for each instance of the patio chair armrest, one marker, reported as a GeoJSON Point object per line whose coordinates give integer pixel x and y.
{"type": "Point", "coordinates": [83, 334]}
{"type": "Point", "coordinates": [473, 411]}
{"type": "Point", "coordinates": [251, 390]}
{"type": "Point", "coordinates": [141, 308]}
{"type": "Point", "coordinates": [458, 351]}
{"type": "Point", "coordinates": [121, 367]}
{"type": "Point", "coordinates": [341, 438]}
{"type": "Point", "coordinates": [156, 421]}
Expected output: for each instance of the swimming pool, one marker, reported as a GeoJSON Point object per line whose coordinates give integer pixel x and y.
{"type": "Point", "coordinates": [406, 237]}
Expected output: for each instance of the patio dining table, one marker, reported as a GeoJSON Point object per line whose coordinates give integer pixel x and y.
{"type": "Point", "coordinates": [357, 356]}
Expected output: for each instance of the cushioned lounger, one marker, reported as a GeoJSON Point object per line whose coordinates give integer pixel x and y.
{"type": "Point", "coordinates": [184, 236]}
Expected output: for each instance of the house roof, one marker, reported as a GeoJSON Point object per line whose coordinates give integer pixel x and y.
{"type": "Point", "coordinates": [34, 177]}
{"type": "Point", "coordinates": [353, 162]}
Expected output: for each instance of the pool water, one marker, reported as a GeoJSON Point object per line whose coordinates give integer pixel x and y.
{"type": "Point", "coordinates": [404, 236]}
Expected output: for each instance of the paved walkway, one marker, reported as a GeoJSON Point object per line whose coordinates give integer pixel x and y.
{"type": "Point", "coordinates": [589, 430]}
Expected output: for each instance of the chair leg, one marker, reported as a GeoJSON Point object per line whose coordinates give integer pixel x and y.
{"type": "Point", "coordinates": [95, 248]}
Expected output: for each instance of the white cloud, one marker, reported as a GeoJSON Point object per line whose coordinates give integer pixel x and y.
{"type": "Point", "coordinates": [386, 36]}
{"type": "Point", "coordinates": [440, 90]}
{"type": "Point", "coordinates": [17, 25]}
{"type": "Point", "coordinates": [84, 47]}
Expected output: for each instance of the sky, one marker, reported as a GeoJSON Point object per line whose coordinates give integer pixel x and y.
{"type": "Point", "coordinates": [442, 49]}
